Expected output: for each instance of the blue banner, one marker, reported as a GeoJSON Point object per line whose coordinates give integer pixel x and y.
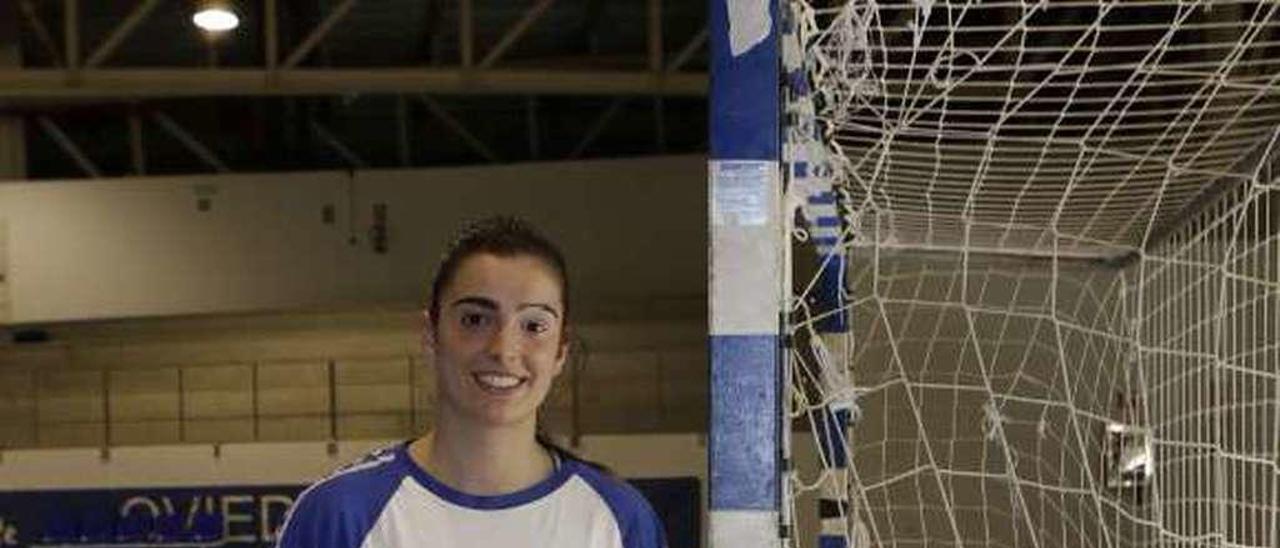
{"type": "Point", "coordinates": [212, 516]}
{"type": "Point", "coordinates": [228, 516]}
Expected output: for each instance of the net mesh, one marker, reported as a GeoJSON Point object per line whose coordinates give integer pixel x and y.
{"type": "Point", "coordinates": [1037, 273]}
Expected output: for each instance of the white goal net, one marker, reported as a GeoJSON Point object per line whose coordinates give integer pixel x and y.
{"type": "Point", "coordinates": [1037, 273]}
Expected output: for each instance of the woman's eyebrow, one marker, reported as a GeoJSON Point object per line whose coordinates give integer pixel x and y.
{"type": "Point", "coordinates": [481, 302]}
{"type": "Point", "coordinates": [490, 304]}
{"type": "Point", "coordinates": [543, 306]}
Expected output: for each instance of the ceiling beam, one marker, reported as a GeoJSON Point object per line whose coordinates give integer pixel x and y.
{"type": "Point", "coordinates": [353, 160]}
{"type": "Point", "coordinates": [71, 32]}
{"type": "Point", "coordinates": [689, 50]}
{"type": "Point", "coordinates": [43, 85]}
{"type": "Point", "coordinates": [655, 35]}
{"type": "Point", "coordinates": [69, 147]}
{"type": "Point", "coordinates": [466, 36]}
{"type": "Point", "coordinates": [460, 130]}
{"type": "Point", "coordinates": [137, 148]}
{"type": "Point", "coordinates": [41, 31]}
{"type": "Point", "coordinates": [532, 127]}
{"type": "Point", "coordinates": [598, 127]}
{"type": "Point", "coordinates": [190, 142]}
{"type": "Point", "coordinates": [271, 33]}
{"type": "Point", "coordinates": [515, 32]}
{"type": "Point", "coordinates": [659, 125]}
{"type": "Point", "coordinates": [403, 149]}
{"type": "Point", "coordinates": [121, 32]}
{"type": "Point", "coordinates": [592, 13]}
{"type": "Point", "coordinates": [318, 34]}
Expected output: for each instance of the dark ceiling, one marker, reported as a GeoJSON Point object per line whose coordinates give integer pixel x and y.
{"type": "Point", "coordinates": [277, 132]}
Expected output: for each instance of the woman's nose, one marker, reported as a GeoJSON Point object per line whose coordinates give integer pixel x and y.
{"type": "Point", "coordinates": [505, 342]}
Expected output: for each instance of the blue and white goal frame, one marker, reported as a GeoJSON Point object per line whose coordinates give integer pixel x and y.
{"type": "Point", "coordinates": [747, 277]}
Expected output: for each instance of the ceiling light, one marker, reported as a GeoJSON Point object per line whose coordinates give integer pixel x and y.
{"type": "Point", "coordinates": [216, 19]}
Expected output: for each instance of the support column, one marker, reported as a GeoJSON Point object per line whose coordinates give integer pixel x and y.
{"type": "Point", "coordinates": [13, 149]}
{"type": "Point", "coordinates": [749, 276]}
{"type": "Point", "coordinates": [13, 146]}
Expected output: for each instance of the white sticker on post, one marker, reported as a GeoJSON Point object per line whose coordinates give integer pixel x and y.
{"type": "Point", "coordinates": [749, 24]}
{"type": "Point", "coordinates": [740, 192]}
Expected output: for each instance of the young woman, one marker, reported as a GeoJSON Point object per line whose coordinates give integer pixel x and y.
{"type": "Point", "coordinates": [497, 330]}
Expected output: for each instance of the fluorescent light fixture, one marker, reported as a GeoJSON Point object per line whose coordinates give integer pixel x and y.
{"type": "Point", "coordinates": [216, 19]}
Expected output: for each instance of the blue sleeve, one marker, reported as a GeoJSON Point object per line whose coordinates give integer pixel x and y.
{"type": "Point", "coordinates": [339, 511]}
{"type": "Point", "coordinates": [638, 522]}
{"type": "Point", "coordinates": [318, 519]}
{"type": "Point", "coordinates": [645, 530]}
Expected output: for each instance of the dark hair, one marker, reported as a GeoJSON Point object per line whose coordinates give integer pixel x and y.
{"type": "Point", "coordinates": [505, 237]}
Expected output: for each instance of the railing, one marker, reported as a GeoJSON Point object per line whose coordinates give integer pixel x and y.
{"type": "Point", "coordinates": [321, 399]}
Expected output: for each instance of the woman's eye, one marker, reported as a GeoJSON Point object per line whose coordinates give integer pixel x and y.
{"type": "Point", "coordinates": [536, 327]}
{"type": "Point", "coordinates": [473, 320]}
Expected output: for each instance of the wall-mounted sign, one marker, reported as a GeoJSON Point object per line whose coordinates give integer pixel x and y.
{"type": "Point", "coordinates": [229, 516]}
{"type": "Point", "coordinates": [222, 516]}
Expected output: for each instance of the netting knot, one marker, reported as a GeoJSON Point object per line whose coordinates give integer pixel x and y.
{"type": "Point", "coordinates": [991, 421]}
{"type": "Point", "coordinates": [846, 399]}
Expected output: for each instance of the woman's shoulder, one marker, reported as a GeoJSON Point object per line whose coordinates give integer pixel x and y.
{"type": "Point", "coordinates": [637, 521]}
{"type": "Point", "coordinates": [338, 509]}
{"type": "Point", "coordinates": [604, 482]}
{"type": "Point", "coordinates": [367, 476]}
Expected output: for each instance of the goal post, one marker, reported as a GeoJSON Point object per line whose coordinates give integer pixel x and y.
{"type": "Point", "coordinates": [747, 275]}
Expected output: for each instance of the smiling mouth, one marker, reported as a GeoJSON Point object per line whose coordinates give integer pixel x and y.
{"type": "Point", "coordinates": [498, 383]}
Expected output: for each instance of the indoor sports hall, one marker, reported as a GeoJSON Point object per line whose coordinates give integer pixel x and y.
{"type": "Point", "coordinates": [844, 273]}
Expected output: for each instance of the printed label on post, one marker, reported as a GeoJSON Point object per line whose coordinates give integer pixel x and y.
{"type": "Point", "coordinates": [740, 192]}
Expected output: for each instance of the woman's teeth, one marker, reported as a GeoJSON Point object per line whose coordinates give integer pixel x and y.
{"type": "Point", "coordinates": [498, 381]}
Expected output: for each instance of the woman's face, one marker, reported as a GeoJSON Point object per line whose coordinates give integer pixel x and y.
{"type": "Point", "coordinates": [498, 343]}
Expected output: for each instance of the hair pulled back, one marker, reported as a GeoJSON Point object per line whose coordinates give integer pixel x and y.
{"type": "Point", "coordinates": [503, 236]}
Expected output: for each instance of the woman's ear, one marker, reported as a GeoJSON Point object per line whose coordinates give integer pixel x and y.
{"type": "Point", "coordinates": [428, 331]}
{"type": "Point", "coordinates": [562, 353]}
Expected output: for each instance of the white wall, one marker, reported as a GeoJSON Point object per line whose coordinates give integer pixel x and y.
{"type": "Point", "coordinates": [131, 247]}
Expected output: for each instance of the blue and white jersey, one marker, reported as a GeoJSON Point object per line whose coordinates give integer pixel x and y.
{"type": "Point", "coordinates": [386, 500]}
